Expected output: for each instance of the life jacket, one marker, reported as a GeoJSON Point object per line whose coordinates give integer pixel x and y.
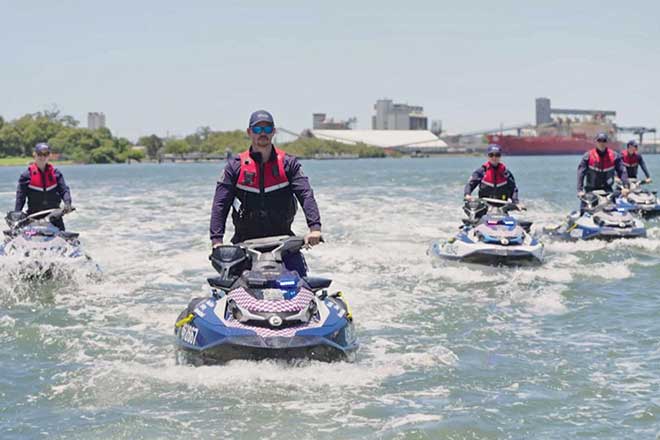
{"type": "Point", "coordinates": [631, 161]}
{"type": "Point", "coordinates": [495, 183]}
{"type": "Point", "coordinates": [42, 190]}
{"type": "Point", "coordinates": [600, 171]}
{"type": "Point", "coordinates": [264, 204]}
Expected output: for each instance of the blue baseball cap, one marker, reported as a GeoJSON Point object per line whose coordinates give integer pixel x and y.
{"type": "Point", "coordinates": [261, 116]}
{"type": "Point", "coordinates": [494, 148]}
{"type": "Point", "coordinates": [632, 143]}
{"type": "Point", "coordinates": [602, 137]}
{"type": "Point", "coordinates": [42, 147]}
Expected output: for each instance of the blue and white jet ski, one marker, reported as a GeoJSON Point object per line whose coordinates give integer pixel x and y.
{"type": "Point", "coordinates": [601, 218]}
{"type": "Point", "coordinates": [39, 248]}
{"type": "Point", "coordinates": [490, 235]}
{"type": "Point", "coordinates": [260, 310]}
{"type": "Point", "coordinates": [640, 201]}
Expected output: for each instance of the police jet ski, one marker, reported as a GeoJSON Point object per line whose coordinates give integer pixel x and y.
{"type": "Point", "coordinates": [490, 235]}
{"type": "Point", "coordinates": [260, 310]}
{"type": "Point", "coordinates": [639, 200]}
{"type": "Point", "coordinates": [601, 219]}
{"type": "Point", "coordinates": [38, 246]}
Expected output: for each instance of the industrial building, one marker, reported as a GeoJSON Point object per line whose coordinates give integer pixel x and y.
{"type": "Point", "coordinates": [393, 116]}
{"type": "Point", "coordinates": [405, 141]}
{"type": "Point", "coordinates": [95, 120]}
{"type": "Point", "coordinates": [320, 121]}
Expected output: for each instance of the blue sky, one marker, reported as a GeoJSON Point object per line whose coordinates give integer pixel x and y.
{"type": "Point", "coordinates": [167, 67]}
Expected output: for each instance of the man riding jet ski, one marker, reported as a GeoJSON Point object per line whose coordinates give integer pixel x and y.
{"type": "Point", "coordinates": [493, 178]}
{"type": "Point", "coordinates": [597, 170]}
{"type": "Point", "coordinates": [259, 309]}
{"type": "Point", "coordinates": [490, 235]}
{"type": "Point", "coordinates": [39, 246]}
{"type": "Point", "coordinates": [599, 218]}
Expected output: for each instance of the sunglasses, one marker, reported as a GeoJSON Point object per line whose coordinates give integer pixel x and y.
{"type": "Point", "coordinates": [46, 154]}
{"type": "Point", "coordinates": [494, 154]}
{"type": "Point", "coordinates": [268, 129]}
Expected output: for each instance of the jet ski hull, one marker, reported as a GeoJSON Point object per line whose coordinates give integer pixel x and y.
{"type": "Point", "coordinates": [482, 253]}
{"type": "Point", "coordinates": [214, 337]}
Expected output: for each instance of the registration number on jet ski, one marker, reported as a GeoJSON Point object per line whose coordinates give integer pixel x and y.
{"type": "Point", "coordinates": [188, 334]}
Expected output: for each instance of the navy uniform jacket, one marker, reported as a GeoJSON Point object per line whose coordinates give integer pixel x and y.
{"type": "Point", "coordinates": [22, 189]}
{"type": "Point", "coordinates": [619, 167]}
{"type": "Point", "coordinates": [478, 175]}
{"type": "Point", "coordinates": [225, 192]}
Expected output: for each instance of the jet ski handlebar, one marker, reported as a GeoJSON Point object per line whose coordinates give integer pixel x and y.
{"type": "Point", "coordinates": [506, 204]}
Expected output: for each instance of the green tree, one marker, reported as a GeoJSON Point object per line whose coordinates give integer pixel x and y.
{"type": "Point", "coordinates": [152, 143]}
{"type": "Point", "coordinates": [177, 146]}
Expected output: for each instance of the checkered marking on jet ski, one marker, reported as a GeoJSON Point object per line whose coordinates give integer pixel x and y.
{"type": "Point", "coordinates": [244, 300]}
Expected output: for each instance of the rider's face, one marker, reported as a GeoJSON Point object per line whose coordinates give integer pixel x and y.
{"type": "Point", "coordinates": [41, 158]}
{"type": "Point", "coordinates": [261, 139]}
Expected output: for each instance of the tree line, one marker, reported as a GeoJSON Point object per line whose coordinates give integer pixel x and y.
{"type": "Point", "coordinates": [72, 142]}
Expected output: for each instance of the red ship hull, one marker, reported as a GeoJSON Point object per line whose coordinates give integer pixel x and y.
{"type": "Point", "coordinates": [544, 145]}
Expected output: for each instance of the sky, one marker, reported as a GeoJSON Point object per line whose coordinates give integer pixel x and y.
{"type": "Point", "coordinates": [168, 67]}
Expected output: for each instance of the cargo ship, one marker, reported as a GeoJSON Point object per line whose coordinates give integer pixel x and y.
{"type": "Point", "coordinates": [545, 145]}
{"type": "Point", "coordinates": [559, 131]}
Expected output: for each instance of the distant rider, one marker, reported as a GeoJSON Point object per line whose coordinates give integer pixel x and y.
{"type": "Point", "coordinates": [632, 160]}
{"type": "Point", "coordinates": [43, 186]}
{"type": "Point", "coordinates": [493, 179]}
{"type": "Point", "coordinates": [262, 185]}
{"type": "Point", "coordinates": [598, 167]}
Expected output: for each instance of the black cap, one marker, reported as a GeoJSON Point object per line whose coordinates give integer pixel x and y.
{"type": "Point", "coordinates": [261, 116]}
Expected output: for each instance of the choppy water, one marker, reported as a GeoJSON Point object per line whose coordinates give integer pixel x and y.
{"type": "Point", "coordinates": [567, 350]}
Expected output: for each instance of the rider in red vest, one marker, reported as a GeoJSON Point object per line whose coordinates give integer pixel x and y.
{"type": "Point", "coordinates": [263, 186]}
{"type": "Point", "coordinates": [632, 160]}
{"type": "Point", "coordinates": [43, 186]}
{"type": "Point", "coordinates": [598, 168]}
{"type": "Point", "coordinates": [493, 179]}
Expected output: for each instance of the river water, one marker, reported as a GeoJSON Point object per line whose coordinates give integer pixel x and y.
{"type": "Point", "coordinates": [570, 349]}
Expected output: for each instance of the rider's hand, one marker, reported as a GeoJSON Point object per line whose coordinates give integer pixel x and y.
{"type": "Point", "coordinates": [468, 197]}
{"type": "Point", "coordinates": [313, 238]}
{"type": "Point", "coordinates": [216, 243]}
{"type": "Point", "coordinates": [625, 192]}
{"type": "Point", "coordinates": [67, 208]}
{"type": "Point", "coordinates": [580, 194]}
{"type": "Point", "coordinates": [648, 180]}
{"type": "Point", "coordinates": [617, 179]}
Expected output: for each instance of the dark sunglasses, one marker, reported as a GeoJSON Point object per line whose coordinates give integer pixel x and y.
{"type": "Point", "coordinates": [494, 154]}
{"type": "Point", "coordinates": [268, 129]}
{"type": "Point", "coordinates": [601, 141]}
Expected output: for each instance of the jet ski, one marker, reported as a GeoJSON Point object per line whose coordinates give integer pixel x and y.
{"type": "Point", "coordinates": [601, 218]}
{"type": "Point", "coordinates": [640, 201]}
{"type": "Point", "coordinates": [489, 235]}
{"type": "Point", "coordinates": [260, 310]}
{"type": "Point", "coordinates": [38, 246]}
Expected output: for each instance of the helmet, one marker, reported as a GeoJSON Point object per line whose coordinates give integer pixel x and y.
{"type": "Point", "coordinates": [602, 137]}
{"type": "Point", "coordinates": [494, 148]}
{"type": "Point", "coordinates": [632, 143]}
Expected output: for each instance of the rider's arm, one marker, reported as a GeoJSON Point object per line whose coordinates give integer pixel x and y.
{"type": "Point", "coordinates": [582, 171]}
{"type": "Point", "coordinates": [621, 171]}
{"type": "Point", "coordinates": [473, 181]}
{"type": "Point", "coordinates": [303, 192]}
{"type": "Point", "coordinates": [62, 188]}
{"type": "Point", "coordinates": [642, 165]}
{"type": "Point", "coordinates": [512, 184]}
{"type": "Point", "coordinates": [21, 191]}
{"type": "Point", "coordinates": [225, 191]}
